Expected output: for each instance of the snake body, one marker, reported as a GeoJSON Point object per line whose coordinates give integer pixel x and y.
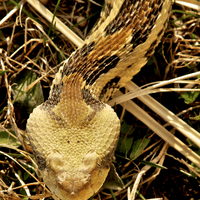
{"type": "Point", "coordinates": [74, 133]}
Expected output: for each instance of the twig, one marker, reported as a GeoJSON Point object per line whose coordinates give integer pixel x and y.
{"type": "Point", "coordinates": [12, 12]}
{"type": "Point", "coordinates": [131, 195]}
{"type": "Point", "coordinates": [59, 25]}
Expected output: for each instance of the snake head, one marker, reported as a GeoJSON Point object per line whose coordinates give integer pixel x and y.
{"type": "Point", "coordinates": [74, 140]}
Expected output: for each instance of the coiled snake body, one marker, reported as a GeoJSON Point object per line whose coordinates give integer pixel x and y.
{"type": "Point", "coordinates": [74, 133]}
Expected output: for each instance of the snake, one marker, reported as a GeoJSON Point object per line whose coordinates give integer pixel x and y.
{"type": "Point", "coordinates": [74, 133]}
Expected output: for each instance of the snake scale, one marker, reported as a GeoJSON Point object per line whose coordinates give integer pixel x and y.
{"type": "Point", "coordinates": [74, 133]}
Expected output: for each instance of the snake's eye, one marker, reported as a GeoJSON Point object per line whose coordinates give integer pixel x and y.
{"type": "Point", "coordinates": [55, 161]}
{"type": "Point", "coordinates": [90, 161]}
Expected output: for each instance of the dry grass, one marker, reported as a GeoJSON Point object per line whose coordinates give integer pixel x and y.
{"type": "Point", "coordinates": [31, 54]}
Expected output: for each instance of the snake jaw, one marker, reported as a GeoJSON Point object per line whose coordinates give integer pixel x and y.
{"type": "Point", "coordinates": [83, 183]}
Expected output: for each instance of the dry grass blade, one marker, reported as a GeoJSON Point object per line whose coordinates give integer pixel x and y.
{"type": "Point", "coordinates": [59, 25]}
{"type": "Point", "coordinates": [189, 3]}
{"type": "Point", "coordinates": [136, 92]}
{"type": "Point", "coordinates": [15, 9]}
{"type": "Point", "coordinates": [131, 194]}
{"type": "Point", "coordinates": [169, 117]}
{"type": "Point", "coordinates": [162, 132]}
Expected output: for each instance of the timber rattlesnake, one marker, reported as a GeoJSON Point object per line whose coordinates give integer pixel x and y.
{"type": "Point", "coordinates": [74, 133]}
